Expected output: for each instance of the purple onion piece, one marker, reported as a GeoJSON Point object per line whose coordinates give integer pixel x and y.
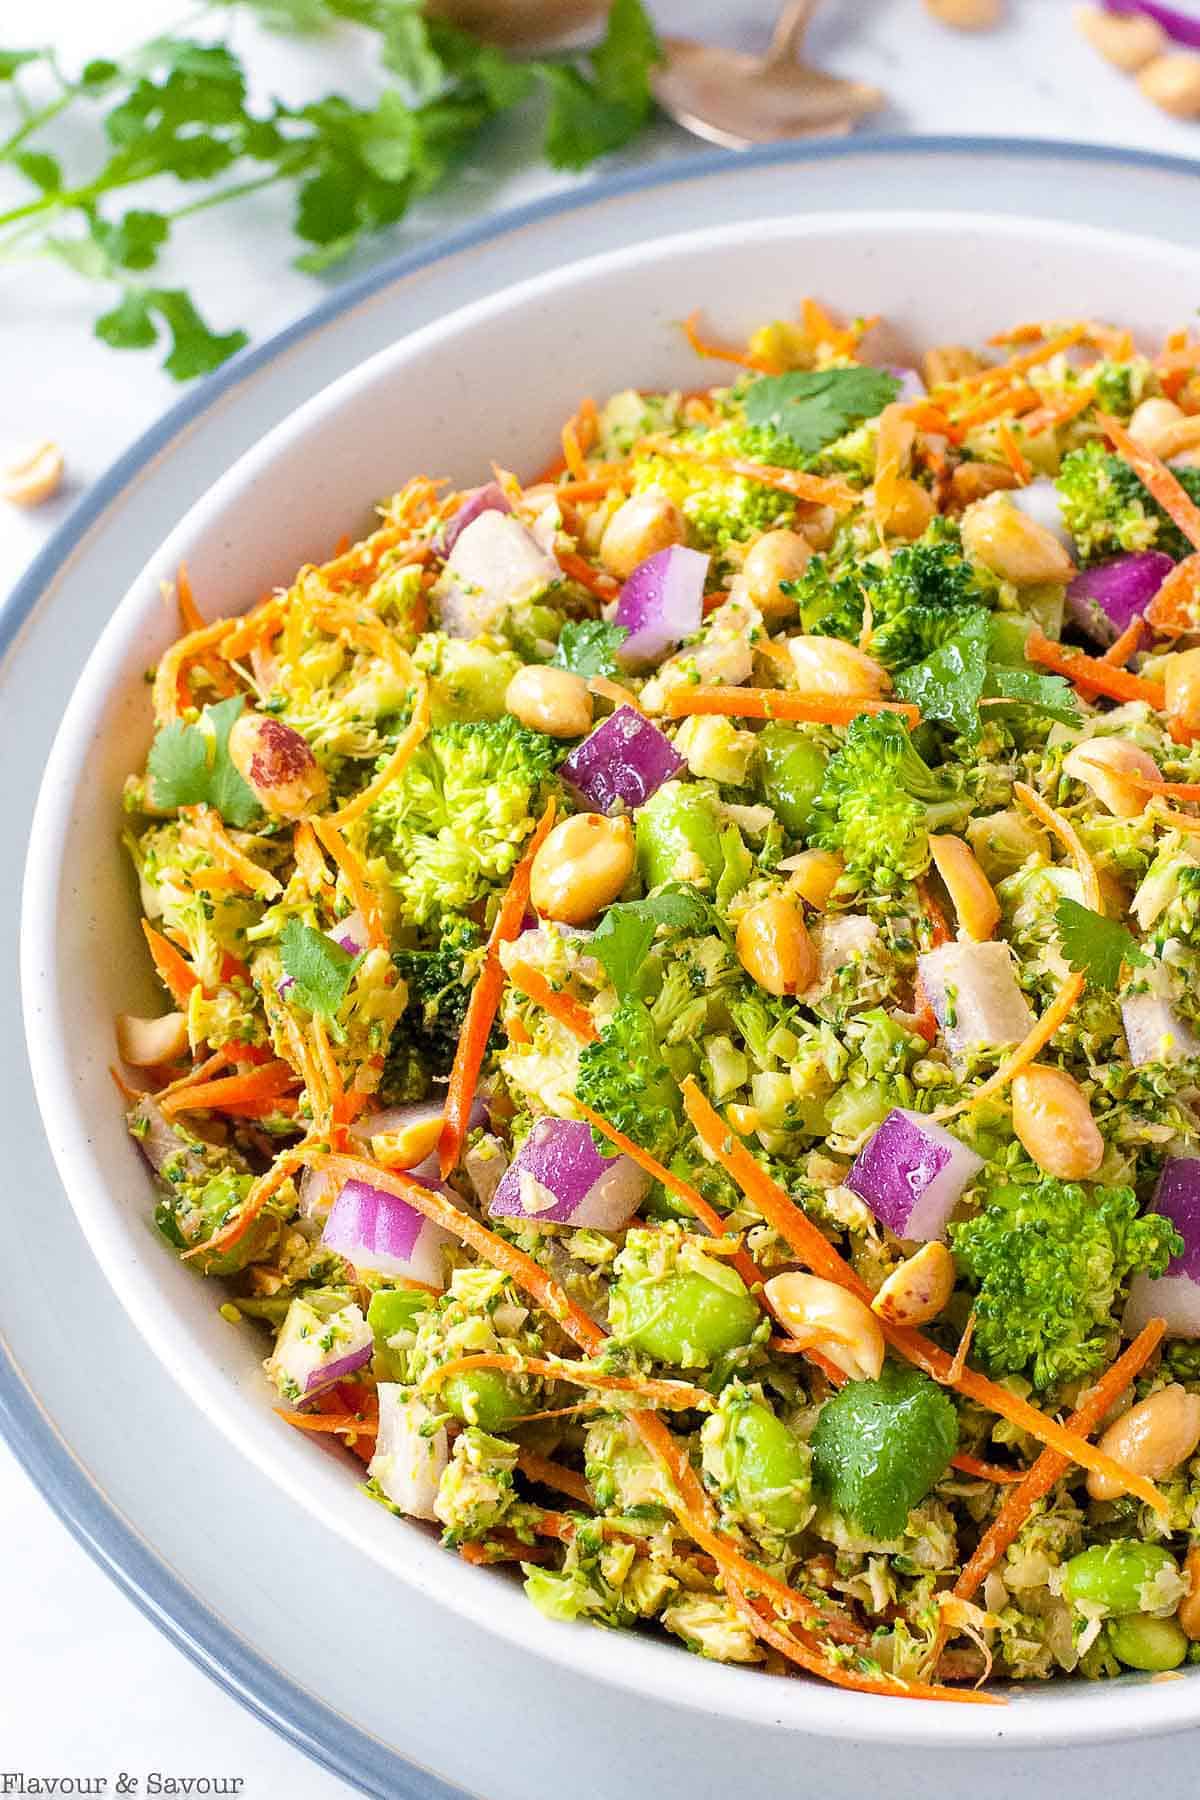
{"type": "Point", "coordinates": [496, 563]}
{"type": "Point", "coordinates": [489, 498]}
{"type": "Point", "coordinates": [912, 387]}
{"type": "Point", "coordinates": [912, 1173]}
{"type": "Point", "coordinates": [1106, 598]}
{"type": "Point", "coordinates": [1175, 1294]}
{"type": "Point", "coordinates": [622, 762]}
{"type": "Point", "coordinates": [377, 1231]}
{"type": "Point", "coordinates": [1183, 27]}
{"type": "Point", "coordinates": [333, 1372]}
{"type": "Point", "coordinates": [558, 1177]}
{"type": "Point", "coordinates": [314, 1349]}
{"type": "Point", "coordinates": [661, 604]}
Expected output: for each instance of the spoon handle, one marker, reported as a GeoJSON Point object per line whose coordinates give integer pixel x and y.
{"type": "Point", "coordinates": [788, 34]}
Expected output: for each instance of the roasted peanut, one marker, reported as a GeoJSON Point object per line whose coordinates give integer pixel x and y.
{"type": "Point", "coordinates": [814, 876]}
{"type": "Point", "coordinates": [144, 1043]}
{"type": "Point", "coordinates": [1151, 1439]}
{"type": "Point", "coordinates": [828, 665]}
{"type": "Point", "coordinates": [973, 481]}
{"type": "Point", "coordinates": [974, 898]}
{"type": "Point", "coordinates": [1001, 537]}
{"type": "Point", "coordinates": [1053, 1120]}
{"type": "Point", "coordinates": [966, 15]}
{"type": "Point", "coordinates": [35, 477]}
{"type": "Point", "coordinates": [640, 526]}
{"type": "Point", "coordinates": [277, 765]}
{"type": "Point", "coordinates": [774, 557]}
{"type": "Point", "coordinates": [919, 1289]}
{"type": "Point", "coordinates": [1173, 82]}
{"type": "Point", "coordinates": [555, 701]}
{"type": "Point", "coordinates": [822, 1316]}
{"type": "Point", "coordinates": [1152, 422]}
{"type": "Point", "coordinates": [1181, 679]}
{"type": "Point", "coordinates": [911, 510]}
{"type": "Point", "coordinates": [581, 868]}
{"type": "Point", "coordinates": [1127, 43]}
{"type": "Point", "coordinates": [774, 947]}
{"type": "Point", "coordinates": [1100, 763]}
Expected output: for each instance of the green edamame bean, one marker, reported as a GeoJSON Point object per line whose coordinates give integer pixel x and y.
{"type": "Point", "coordinates": [1124, 1577]}
{"type": "Point", "coordinates": [1141, 1642]}
{"type": "Point", "coordinates": [793, 768]}
{"type": "Point", "coordinates": [485, 1398]}
{"type": "Point", "coordinates": [770, 1468]}
{"type": "Point", "coordinates": [853, 1110]}
{"type": "Point", "coordinates": [1008, 633]}
{"type": "Point", "coordinates": [392, 1310]}
{"type": "Point", "coordinates": [682, 1319]}
{"type": "Point", "coordinates": [678, 838]}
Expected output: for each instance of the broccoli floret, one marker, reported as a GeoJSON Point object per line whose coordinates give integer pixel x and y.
{"type": "Point", "coordinates": [624, 1077]}
{"type": "Point", "coordinates": [452, 826]}
{"type": "Point", "coordinates": [879, 802]}
{"type": "Point", "coordinates": [1181, 916]}
{"type": "Point", "coordinates": [1048, 1261]}
{"type": "Point", "coordinates": [917, 600]}
{"type": "Point", "coordinates": [424, 1040]}
{"type": "Point", "coordinates": [1107, 509]}
{"type": "Point", "coordinates": [720, 509]}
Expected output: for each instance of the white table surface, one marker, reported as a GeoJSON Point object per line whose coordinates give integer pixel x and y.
{"type": "Point", "coordinates": [87, 1686]}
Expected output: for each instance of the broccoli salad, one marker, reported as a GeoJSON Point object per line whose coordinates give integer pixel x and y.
{"type": "Point", "coordinates": [684, 981]}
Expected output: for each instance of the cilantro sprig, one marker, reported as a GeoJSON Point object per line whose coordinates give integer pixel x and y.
{"type": "Point", "coordinates": [812, 407]}
{"type": "Point", "coordinates": [182, 108]}
{"type": "Point", "coordinates": [624, 935]}
{"type": "Point", "coordinates": [319, 970]}
{"type": "Point", "coordinates": [190, 765]}
{"type": "Point", "coordinates": [950, 684]}
{"type": "Point", "coordinates": [588, 647]}
{"type": "Point", "coordinates": [1095, 946]}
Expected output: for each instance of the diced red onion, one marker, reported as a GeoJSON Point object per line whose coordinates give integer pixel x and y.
{"type": "Point", "coordinates": [912, 387]}
{"type": "Point", "coordinates": [558, 1177]}
{"type": "Point", "coordinates": [1183, 27]}
{"type": "Point", "coordinates": [314, 1350]}
{"type": "Point", "coordinates": [381, 1234]}
{"type": "Point", "coordinates": [661, 604]}
{"type": "Point", "coordinates": [912, 1173]}
{"type": "Point", "coordinates": [988, 1008]}
{"type": "Point", "coordinates": [317, 1188]}
{"type": "Point", "coordinates": [411, 1452]}
{"type": "Point", "coordinates": [1039, 502]}
{"type": "Point", "coordinates": [495, 563]}
{"type": "Point", "coordinates": [1154, 1031]}
{"type": "Point", "coordinates": [489, 498]}
{"type": "Point", "coordinates": [1175, 1294]}
{"type": "Point", "coordinates": [1106, 598]}
{"type": "Point", "coordinates": [622, 762]}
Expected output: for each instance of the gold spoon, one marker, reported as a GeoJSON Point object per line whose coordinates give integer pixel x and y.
{"type": "Point", "coordinates": [734, 99]}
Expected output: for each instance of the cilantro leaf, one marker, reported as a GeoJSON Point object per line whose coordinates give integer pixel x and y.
{"type": "Point", "coordinates": [130, 325]}
{"type": "Point", "coordinates": [12, 60]}
{"type": "Point", "coordinates": [879, 1446]}
{"type": "Point", "coordinates": [38, 166]}
{"type": "Point", "coordinates": [320, 969]}
{"type": "Point", "coordinates": [812, 407]}
{"type": "Point", "coordinates": [588, 647]}
{"type": "Point", "coordinates": [135, 240]}
{"type": "Point", "coordinates": [624, 935]}
{"type": "Point", "coordinates": [1051, 695]}
{"type": "Point", "coordinates": [195, 349]}
{"type": "Point", "coordinates": [592, 113]}
{"type": "Point", "coordinates": [1095, 946]}
{"type": "Point", "coordinates": [190, 765]}
{"type": "Point", "coordinates": [948, 685]}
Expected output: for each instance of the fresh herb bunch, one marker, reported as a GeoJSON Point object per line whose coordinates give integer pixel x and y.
{"type": "Point", "coordinates": [180, 107]}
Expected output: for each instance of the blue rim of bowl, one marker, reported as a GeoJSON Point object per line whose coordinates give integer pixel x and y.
{"type": "Point", "coordinates": [325, 1736]}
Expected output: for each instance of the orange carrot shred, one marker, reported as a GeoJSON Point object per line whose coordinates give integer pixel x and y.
{"type": "Point", "coordinates": [1127, 644]}
{"type": "Point", "coordinates": [577, 568]}
{"type": "Point", "coordinates": [561, 1006]}
{"type": "Point", "coordinates": [189, 612]}
{"type": "Point", "coordinates": [483, 1004]}
{"type": "Point", "coordinates": [263, 1083]}
{"type": "Point", "coordinates": [175, 973]}
{"type": "Point", "coordinates": [745, 359]}
{"type": "Point", "coordinates": [548, 1473]}
{"type": "Point", "coordinates": [1091, 674]}
{"type": "Point", "coordinates": [412, 735]}
{"type": "Point", "coordinates": [1176, 606]}
{"type": "Point", "coordinates": [1070, 840]}
{"type": "Point", "coordinates": [662, 1393]}
{"type": "Point", "coordinates": [779, 703]}
{"type": "Point", "coordinates": [362, 891]}
{"type": "Point", "coordinates": [1024, 1053]}
{"type": "Point", "coordinates": [1014, 456]}
{"type": "Point", "coordinates": [1155, 476]}
{"type": "Point", "coordinates": [822, 489]}
{"type": "Point", "coordinates": [986, 1471]}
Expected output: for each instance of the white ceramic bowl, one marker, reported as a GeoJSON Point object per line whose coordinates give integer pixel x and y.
{"type": "Point", "coordinates": [494, 380]}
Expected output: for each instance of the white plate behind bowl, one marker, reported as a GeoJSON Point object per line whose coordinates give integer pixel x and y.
{"type": "Point", "coordinates": [510, 364]}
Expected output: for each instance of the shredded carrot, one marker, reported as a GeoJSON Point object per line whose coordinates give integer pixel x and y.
{"type": "Point", "coordinates": [1070, 840]}
{"type": "Point", "coordinates": [998, 406]}
{"type": "Point", "coordinates": [658, 1393]}
{"type": "Point", "coordinates": [1014, 456]}
{"type": "Point", "coordinates": [683, 1190]}
{"type": "Point", "coordinates": [577, 568]}
{"type": "Point", "coordinates": [362, 890]}
{"type": "Point", "coordinates": [362, 560]}
{"type": "Point", "coordinates": [1051, 1466]}
{"type": "Point", "coordinates": [1154, 475]}
{"type": "Point", "coordinates": [1176, 606]}
{"type": "Point", "coordinates": [823, 490]}
{"type": "Point", "coordinates": [286, 1106]}
{"type": "Point", "coordinates": [412, 735]}
{"type": "Point", "coordinates": [201, 1072]}
{"type": "Point", "coordinates": [745, 359]}
{"type": "Point", "coordinates": [309, 861]}
{"type": "Point", "coordinates": [189, 612]}
{"type": "Point", "coordinates": [264, 1188]}
{"type": "Point", "coordinates": [561, 1006]}
{"type": "Point", "coordinates": [986, 1471]}
{"type": "Point", "coordinates": [261, 622]}
{"type": "Point", "coordinates": [1007, 372]}
{"type": "Point", "coordinates": [261, 1084]}
{"type": "Point", "coordinates": [813, 1248]}
{"type": "Point", "coordinates": [494, 1249]}
{"type": "Point", "coordinates": [598, 482]}
{"type": "Point", "coordinates": [1024, 1053]}
{"type": "Point", "coordinates": [961, 1351]}
{"type": "Point", "coordinates": [484, 1002]}
{"type": "Point", "coordinates": [169, 676]}
{"type": "Point", "coordinates": [1170, 790]}
{"type": "Point", "coordinates": [552, 1475]}
{"type": "Point", "coordinates": [1176, 821]}
{"type": "Point", "coordinates": [779, 703]}
{"type": "Point", "coordinates": [1127, 644]}
{"type": "Point", "coordinates": [1091, 674]}
{"type": "Point", "coordinates": [175, 973]}
{"type": "Point", "coordinates": [205, 828]}
{"type": "Point", "coordinates": [1059, 412]}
